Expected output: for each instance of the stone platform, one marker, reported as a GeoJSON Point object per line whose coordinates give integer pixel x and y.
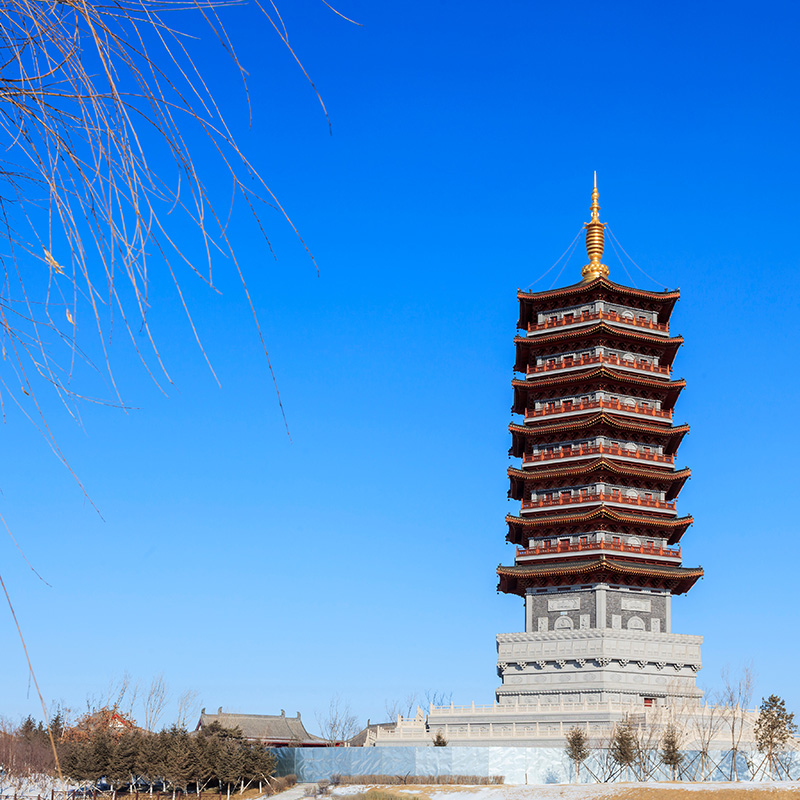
{"type": "Point", "coordinates": [631, 668]}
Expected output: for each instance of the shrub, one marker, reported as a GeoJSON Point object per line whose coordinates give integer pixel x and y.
{"type": "Point", "coordinates": [275, 785]}
{"type": "Point", "coordinates": [417, 780]}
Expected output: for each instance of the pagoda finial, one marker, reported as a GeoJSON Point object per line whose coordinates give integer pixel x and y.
{"type": "Point", "coordinates": [595, 241]}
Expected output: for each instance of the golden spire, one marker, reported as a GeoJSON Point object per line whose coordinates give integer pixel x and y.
{"type": "Point", "coordinates": [595, 240]}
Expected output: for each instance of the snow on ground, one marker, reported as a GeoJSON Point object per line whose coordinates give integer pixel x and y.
{"type": "Point", "coordinates": [768, 790]}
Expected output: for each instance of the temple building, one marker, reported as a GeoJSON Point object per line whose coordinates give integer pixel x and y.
{"type": "Point", "coordinates": [598, 534]}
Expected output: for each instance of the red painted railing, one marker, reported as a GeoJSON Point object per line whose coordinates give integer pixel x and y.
{"type": "Point", "coordinates": [585, 361]}
{"type": "Point", "coordinates": [593, 450]}
{"type": "Point", "coordinates": [588, 316]}
{"type": "Point", "coordinates": [620, 547]}
{"type": "Point", "coordinates": [567, 405]}
{"type": "Point", "coordinates": [567, 498]}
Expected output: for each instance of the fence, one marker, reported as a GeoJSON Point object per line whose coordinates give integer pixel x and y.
{"type": "Point", "coordinates": [518, 765]}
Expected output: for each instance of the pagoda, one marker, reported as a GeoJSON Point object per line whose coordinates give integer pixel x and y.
{"type": "Point", "coordinates": [598, 534]}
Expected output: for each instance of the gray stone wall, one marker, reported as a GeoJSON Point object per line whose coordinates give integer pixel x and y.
{"type": "Point", "coordinates": [643, 605]}
{"type": "Point", "coordinates": [580, 606]}
{"type": "Point", "coordinates": [576, 606]}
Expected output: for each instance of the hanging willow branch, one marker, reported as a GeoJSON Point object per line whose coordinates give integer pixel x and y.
{"type": "Point", "coordinates": [92, 97]}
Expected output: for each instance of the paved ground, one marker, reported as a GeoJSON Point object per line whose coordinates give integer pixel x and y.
{"type": "Point", "coordinates": [297, 792]}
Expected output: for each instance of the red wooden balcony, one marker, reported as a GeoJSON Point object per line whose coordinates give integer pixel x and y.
{"type": "Point", "coordinates": [619, 547]}
{"type": "Point", "coordinates": [589, 316]}
{"type": "Point", "coordinates": [567, 498]}
{"type": "Point", "coordinates": [585, 361]}
{"type": "Point", "coordinates": [615, 405]}
{"type": "Point", "coordinates": [593, 450]}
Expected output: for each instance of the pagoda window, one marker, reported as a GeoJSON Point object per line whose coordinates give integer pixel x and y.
{"type": "Point", "coordinates": [563, 624]}
{"type": "Point", "coordinates": [636, 624]}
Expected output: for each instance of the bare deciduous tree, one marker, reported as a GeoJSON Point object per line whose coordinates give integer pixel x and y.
{"type": "Point", "coordinates": [188, 704]}
{"type": "Point", "coordinates": [106, 118]}
{"type": "Point", "coordinates": [705, 723]}
{"type": "Point", "coordinates": [735, 697]}
{"type": "Point", "coordinates": [438, 698]}
{"type": "Point", "coordinates": [402, 708]}
{"type": "Point", "coordinates": [155, 701]}
{"type": "Point", "coordinates": [338, 723]}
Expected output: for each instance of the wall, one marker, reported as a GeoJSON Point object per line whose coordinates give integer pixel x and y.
{"type": "Point", "coordinates": [518, 765]}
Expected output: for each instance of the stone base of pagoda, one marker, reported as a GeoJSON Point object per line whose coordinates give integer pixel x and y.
{"type": "Point", "coordinates": [637, 669]}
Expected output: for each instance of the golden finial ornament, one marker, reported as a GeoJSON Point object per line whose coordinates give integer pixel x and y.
{"type": "Point", "coordinates": [595, 241]}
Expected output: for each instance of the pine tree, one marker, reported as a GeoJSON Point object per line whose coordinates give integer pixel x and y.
{"type": "Point", "coordinates": [124, 758]}
{"type": "Point", "coordinates": [624, 747]}
{"type": "Point", "coordinates": [149, 763]}
{"type": "Point", "coordinates": [577, 748]}
{"type": "Point", "coordinates": [774, 726]}
{"type": "Point", "coordinates": [99, 755]}
{"type": "Point", "coordinates": [76, 760]}
{"type": "Point", "coordinates": [230, 763]}
{"type": "Point", "coordinates": [440, 740]}
{"type": "Point", "coordinates": [180, 758]}
{"type": "Point", "coordinates": [207, 756]}
{"type": "Point", "coordinates": [27, 730]}
{"type": "Point", "coordinates": [670, 749]}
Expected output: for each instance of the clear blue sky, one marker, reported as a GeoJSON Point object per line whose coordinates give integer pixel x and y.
{"type": "Point", "coordinates": [359, 558]}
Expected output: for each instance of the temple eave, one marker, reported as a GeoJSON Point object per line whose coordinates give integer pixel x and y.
{"type": "Point", "coordinates": [678, 580]}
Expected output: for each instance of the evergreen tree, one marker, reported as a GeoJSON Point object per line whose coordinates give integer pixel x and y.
{"type": "Point", "coordinates": [99, 753]}
{"type": "Point", "coordinates": [670, 748]}
{"type": "Point", "coordinates": [263, 764]}
{"type": "Point", "coordinates": [230, 763]}
{"type": "Point", "coordinates": [206, 757]}
{"type": "Point", "coordinates": [577, 748]}
{"type": "Point", "coordinates": [149, 763]}
{"type": "Point", "coordinates": [774, 726]}
{"type": "Point", "coordinates": [27, 728]}
{"type": "Point", "coordinates": [624, 747]}
{"type": "Point", "coordinates": [76, 760]}
{"type": "Point", "coordinates": [58, 724]}
{"type": "Point", "coordinates": [124, 758]}
{"type": "Point", "coordinates": [179, 758]}
{"type": "Point", "coordinates": [440, 740]}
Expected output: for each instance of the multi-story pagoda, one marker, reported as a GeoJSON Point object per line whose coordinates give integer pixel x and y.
{"type": "Point", "coordinates": [598, 534]}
